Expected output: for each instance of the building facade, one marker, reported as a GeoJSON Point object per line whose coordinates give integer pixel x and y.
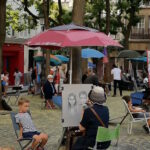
{"type": "Point", "coordinates": [140, 34]}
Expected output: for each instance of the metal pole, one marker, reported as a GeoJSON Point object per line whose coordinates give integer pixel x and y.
{"type": "Point", "coordinates": [70, 72]}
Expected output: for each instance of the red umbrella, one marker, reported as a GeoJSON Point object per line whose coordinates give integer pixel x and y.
{"type": "Point", "coordinates": [71, 38]}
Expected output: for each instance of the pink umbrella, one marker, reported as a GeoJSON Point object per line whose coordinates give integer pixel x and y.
{"type": "Point", "coordinates": [71, 38]}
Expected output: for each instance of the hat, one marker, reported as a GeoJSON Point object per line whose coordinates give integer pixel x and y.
{"type": "Point", "coordinates": [97, 95]}
{"type": "Point", "coordinates": [50, 76]}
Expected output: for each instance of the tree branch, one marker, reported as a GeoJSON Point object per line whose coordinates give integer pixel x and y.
{"type": "Point", "coordinates": [25, 3]}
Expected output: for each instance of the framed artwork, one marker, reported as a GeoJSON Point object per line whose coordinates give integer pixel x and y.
{"type": "Point", "coordinates": [74, 97]}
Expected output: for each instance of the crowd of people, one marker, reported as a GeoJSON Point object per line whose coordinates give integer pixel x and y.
{"type": "Point", "coordinates": [94, 111]}
{"type": "Point", "coordinates": [5, 80]}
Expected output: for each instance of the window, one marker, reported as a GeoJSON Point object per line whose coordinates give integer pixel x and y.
{"type": "Point", "coordinates": [145, 3]}
{"type": "Point", "coordinates": [141, 24]}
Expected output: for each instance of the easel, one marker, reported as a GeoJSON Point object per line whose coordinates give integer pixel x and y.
{"type": "Point", "coordinates": [70, 133]}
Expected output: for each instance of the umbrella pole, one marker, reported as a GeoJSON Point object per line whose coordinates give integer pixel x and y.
{"type": "Point", "coordinates": [132, 76]}
{"type": "Point", "coordinates": [70, 72]}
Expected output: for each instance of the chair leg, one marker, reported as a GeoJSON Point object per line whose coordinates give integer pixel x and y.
{"type": "Point", "coordinates": [130, 128]}
{"type": "Point", "coordinates": [17, 98]}
{"type": "Point", "coordinates": [148, 126]}
{"type": "Point", "coordinates": [117, 142]}
{"type": "Point", "coordinates": [25, 146]}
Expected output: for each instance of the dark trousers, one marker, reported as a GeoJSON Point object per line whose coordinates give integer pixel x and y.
{"type": "Point", "coordinates": [117, 82]}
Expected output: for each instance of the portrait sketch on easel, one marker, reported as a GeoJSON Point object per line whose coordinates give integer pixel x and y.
{"type": "Point", "coordinates": [72, 103]}
{"type": "Point", "coordinates": [74, 98]}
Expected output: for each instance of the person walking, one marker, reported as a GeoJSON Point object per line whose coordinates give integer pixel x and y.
{"type": "Point", "coordinates": [116, 72]}
{"type": "Point", "coordinates": [17, 76]}
{"type": "Point", "coordinates": [57, 80]}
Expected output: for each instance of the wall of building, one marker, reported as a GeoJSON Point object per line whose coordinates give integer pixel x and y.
{"type": "Point", "coordinates": [139, 45]}
{"type": "Point", "coordinates": [142, 43]}
{"type": "Point", "coordinates": [13, 57]}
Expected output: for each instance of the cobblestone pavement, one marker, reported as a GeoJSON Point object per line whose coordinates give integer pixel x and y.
{"type": "Point", "coordinates": [49, 121]}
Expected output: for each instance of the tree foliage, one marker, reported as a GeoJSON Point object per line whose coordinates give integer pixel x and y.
{"type": "Point", "coordinates": [124, 15]}
{"type": "Point", "coordinates": [21, 17]}
{"type": "Point", "coordinates": [127, 16]}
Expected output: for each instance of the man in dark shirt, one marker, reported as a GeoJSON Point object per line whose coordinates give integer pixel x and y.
{"type": "Point", "coordinates": [89, 123]}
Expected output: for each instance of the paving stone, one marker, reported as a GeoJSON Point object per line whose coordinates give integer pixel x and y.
{"type": "Point", "coordinates": [49, 121]}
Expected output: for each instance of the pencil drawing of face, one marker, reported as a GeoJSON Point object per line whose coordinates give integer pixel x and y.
{"type": "Point", "coordinates": [72, 102]}
{"type": "Point", "coordinates": [83, 97]}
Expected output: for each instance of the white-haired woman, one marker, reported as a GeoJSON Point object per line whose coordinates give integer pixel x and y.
{"type": "Point", "coordinates": [49, 91]}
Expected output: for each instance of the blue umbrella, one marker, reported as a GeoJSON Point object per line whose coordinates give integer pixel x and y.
{"type": "Point", "coordinates": [140, 59]}
{"type": "Point", "coordinates": [62, 58]}
{"type": "Point", "coordinates": [91, 53]}
{"type": "Point", "coordinates": [54, 62]}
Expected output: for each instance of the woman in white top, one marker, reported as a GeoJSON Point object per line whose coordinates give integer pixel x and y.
{"type": "Point", "coordinates": [17, 76]}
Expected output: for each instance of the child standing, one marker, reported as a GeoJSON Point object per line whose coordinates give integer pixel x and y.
{"type": "Point", "coordinates": [27, 128]}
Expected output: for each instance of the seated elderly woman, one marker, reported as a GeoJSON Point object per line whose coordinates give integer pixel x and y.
{"type": "Point", "coordinates": [49, 92]}
{"type": "Point", "coordinates": [90, 122]}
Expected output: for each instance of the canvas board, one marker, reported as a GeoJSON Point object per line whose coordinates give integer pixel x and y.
{"type": "Point", "coordinates": [74, 97]}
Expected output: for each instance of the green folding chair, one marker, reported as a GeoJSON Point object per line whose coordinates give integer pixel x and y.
{"type": "Point", "coordinates": [106, 134]}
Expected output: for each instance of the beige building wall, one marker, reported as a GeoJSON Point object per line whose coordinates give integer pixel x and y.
{"type": "Point", "coordinates": [142, 44]}
{"type": "Point", "coordinates": [139, 45]}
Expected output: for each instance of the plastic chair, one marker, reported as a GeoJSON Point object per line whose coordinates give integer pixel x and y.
{"type": "Point", "coordinates": [133, 119]}
{"type": "Point", "coordinates": [16, 129]}
{"type": "Point", "coordinates": [106, 134]}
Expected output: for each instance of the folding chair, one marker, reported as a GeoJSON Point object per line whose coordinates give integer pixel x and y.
{"type": "Point", "coordinates": [15, 94]}
{"type": "Point", "coordinates": [16, 128]}
{"type": "Point", "coordinates": [105, 135]}
{"type": "Point", "coordinates": [134, 119]}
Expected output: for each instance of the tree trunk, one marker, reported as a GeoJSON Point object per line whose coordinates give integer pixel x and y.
{"type": "Point", "coordinates": [127, 34]}
{"type": "Point", "coordinates": [128, 30]}
{"type": "Point", "coordinates": [60, 12]}
{"type": "Point", "coordinates": [77, 18]}
{"type": "Point", "coordinates": [107, 72]}
{"type": "Point", "coordinates": [107, 16]}
{"type": "Point", "coordinates": [99, 19]}
{"type": "Point", "coordinates": [46, 23]}
{"type": "Point", "coordinates": [2, 37]}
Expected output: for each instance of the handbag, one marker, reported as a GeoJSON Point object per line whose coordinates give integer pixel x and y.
{"type": "Point", "coordinates": [101, 145]}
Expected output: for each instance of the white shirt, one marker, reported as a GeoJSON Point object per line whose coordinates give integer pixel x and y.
{"type": "Point", "coordinates": [2, 77]}
{"type": "Point", "coordinates": [116, 72]}
{"type": "Point", "coordinates": [145, 80]}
